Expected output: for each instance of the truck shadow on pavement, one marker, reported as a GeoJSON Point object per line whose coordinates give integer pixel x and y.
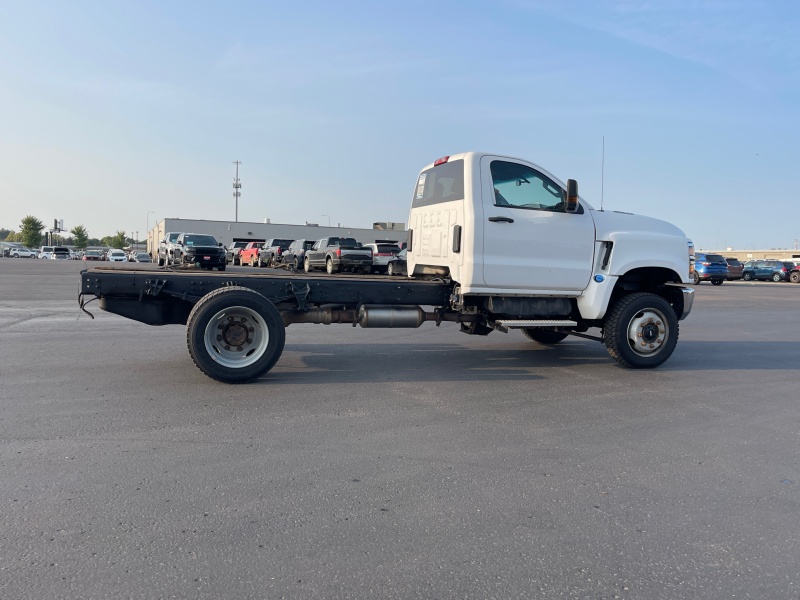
{"type": "Point", "coordinates": [320, 363]}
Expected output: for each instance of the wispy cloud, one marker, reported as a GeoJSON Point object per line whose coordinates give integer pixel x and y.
{"type": "Point", "coordinates": [750, 40]}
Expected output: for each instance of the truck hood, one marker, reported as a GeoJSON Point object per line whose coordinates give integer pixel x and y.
{"type": "Point", "coordinates": [609, 222]}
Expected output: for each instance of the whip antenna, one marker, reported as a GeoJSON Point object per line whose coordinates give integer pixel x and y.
{"type": "Point", "coordinates": [602, 172]}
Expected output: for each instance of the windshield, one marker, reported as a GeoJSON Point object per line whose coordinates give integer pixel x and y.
{"type": "Point", "coordinates": [199, 240]}
{"type": "Point", "coordinates": [172, 237]}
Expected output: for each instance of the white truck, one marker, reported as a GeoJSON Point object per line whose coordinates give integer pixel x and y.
{"type": "Point", "coordinates": [495, 243]}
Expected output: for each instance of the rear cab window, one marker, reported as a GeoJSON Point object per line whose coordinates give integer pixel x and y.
{"type": "Point", "coordinates": [442, 183]}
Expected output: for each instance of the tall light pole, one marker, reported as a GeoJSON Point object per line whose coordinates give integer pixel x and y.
{"type": "Point", "coordinates": [329, 219]}
{"type": "Point", "coordinates": [147, 231]}
{"type": "Point", "coordinates": [237, 185]}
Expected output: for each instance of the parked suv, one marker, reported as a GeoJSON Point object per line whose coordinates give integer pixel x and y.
{"type": "Point", "coordinates": [710, 267]}
{"type": "Point", "coordinates": [22, 252]}
{"type": "Point", "coordinates": [766, 270]}
{"type": "Point", "coordinates": [166, 249]}
{"type": "Point", "coordinates": [45, 252]}
{"type": "Point", "coordinates": [735, 268]}
{"type": "Point", "coordinates": [382, 253]}
{"type": "Point", "coordinates": [296, 253]}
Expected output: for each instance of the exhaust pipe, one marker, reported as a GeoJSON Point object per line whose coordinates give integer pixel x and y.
{"type": "Point", "coordinates": [374, 316]}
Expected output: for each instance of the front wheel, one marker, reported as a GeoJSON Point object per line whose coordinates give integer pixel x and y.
{"type": "Point", "coordinates": [544, 336]}
{"type": "Point", "coordinates": [776, 277]}
{"type": "Point", "coordinates": [696, 278]}
{"type": "Point", "coordinates": [390, 269]}
{"type": "Point", "coordinates": [235, 334]}
{"type": "Point", "coordinates": [306, 266]}
{"type": "Point", "coordinates": [641, 331]}
{"type": "Point", "coordinates": [716, 282]}
{"type": "Point", "coordinates": [795, 277]}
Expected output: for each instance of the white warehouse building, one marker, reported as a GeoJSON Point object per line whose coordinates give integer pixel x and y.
{"type": "Point", "coordinates": [228, 232]}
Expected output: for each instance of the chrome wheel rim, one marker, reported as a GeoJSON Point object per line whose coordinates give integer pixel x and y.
{"type": "Point", "coordinates": [648, 331]}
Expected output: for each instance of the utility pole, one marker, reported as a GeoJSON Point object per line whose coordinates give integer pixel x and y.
{"type": "Point", "coordinates": [237, 185]}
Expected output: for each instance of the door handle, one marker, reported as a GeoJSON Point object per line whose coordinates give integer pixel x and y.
{"type": "Point", "coordinates": [501, 219]}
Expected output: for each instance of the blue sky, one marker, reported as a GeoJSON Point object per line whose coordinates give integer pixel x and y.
{"type": "Point", "coordinates": [111, 110]}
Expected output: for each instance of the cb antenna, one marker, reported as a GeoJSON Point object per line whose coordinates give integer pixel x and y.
{"type": "Point", "coordinates": [602, 172]}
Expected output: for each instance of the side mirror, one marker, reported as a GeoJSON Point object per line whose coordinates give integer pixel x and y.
{"type": "Point", "coordinates": [571, 203]}
{"type": "Point", "coordinates": [219, 244]}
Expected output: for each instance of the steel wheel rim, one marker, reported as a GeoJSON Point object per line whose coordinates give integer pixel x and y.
{"type": "Point", "coordinates": [648, 332]}
{"type": "Point", "coordinates": [236, 337]}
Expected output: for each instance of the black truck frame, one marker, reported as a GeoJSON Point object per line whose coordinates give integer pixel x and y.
{"type": "Point", "coordinates": [236, 322]}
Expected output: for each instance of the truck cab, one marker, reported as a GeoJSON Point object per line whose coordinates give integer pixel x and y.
{"type": "Point", "coordinates": [503, 227]}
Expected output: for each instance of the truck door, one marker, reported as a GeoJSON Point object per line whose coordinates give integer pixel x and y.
{"type": "Point", "coordinates": [529, 241]}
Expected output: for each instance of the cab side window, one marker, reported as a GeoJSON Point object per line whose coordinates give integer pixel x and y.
{"type": "Point", "coordinates": [519, 186]}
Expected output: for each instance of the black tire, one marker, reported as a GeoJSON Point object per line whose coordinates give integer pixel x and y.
{"type": "Point", "coordinates": [260, 262]}
{"type": "Point", "coordinates": [390, 269]}
{"type": "Point", "coordinates": [235, 315]}
{"type": "Point", "coordinates": [307, 266]}
{"type": "Point", "coordinates": [776, 277]}
{"type": "Point", "coordinates": [296, 264]}
{"type": "Point", "coordinates": [544, 336]}
{"type": "Point", "coordinates": [696, 278]}
{"type": "Point", "coordinates": [641, 331]}
{"type": "Point", "coordinates": [747, 276]}
{"type": "Point", "coordinates": [717, 281]}
{"type": "Point", "coordinates": [795, 277]}
{"type": "Point", "coordinates": [329, 267]}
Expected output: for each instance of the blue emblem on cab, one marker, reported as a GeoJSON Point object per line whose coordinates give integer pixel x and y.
{"type": "Point", "coordinates": [599, 278]}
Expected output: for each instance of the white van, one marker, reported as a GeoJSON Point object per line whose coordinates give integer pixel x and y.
{"type": "Point", "coordinates": [45, 252]}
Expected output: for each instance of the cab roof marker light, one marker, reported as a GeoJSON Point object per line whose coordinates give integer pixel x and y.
{"type": "Point", "coordinates": [441, 161]}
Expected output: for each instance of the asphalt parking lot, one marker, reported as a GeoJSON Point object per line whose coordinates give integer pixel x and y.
{"type": "Point", "coordinates": [397, 463]}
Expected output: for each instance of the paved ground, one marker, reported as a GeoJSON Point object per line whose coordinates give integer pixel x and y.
{"type": "Point", "coordinates": [397, 463]}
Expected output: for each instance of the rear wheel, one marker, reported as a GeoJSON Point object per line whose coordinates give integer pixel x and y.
{"type": "Point", "coordinates": [641, 331]}
{"type": "Point", "coordinates": [544, 336]}
{"type": "Point", "coordinates": [235, 334]}
{"type": "Point", "coordinates": [696, 278]}
{"type": "Point", "coordinates": [716, 282]}
{"type": "Point", "coordinates": [296, 264]}
{"type": "Point", "coordinates": [777, 277]}
{"type": "Point", "coordinates": [329, 267]}
{"type": "Point", "coordinates": [747, 276]}
{"type": "Point", "coordinates": [390, 269]}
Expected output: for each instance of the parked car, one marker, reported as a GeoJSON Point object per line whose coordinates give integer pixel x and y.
{"type": "Point", "coordinates": [23, 252]}
{"type": "Point", "coordinates": [92, 255]}
{"type": "Point", "coordinates": [273, 251]}
{"type": "Point", "coordinates": [398, 265]}
{"type": "Point", "coordinates": [767, 269]}
{"type": "Point", "coordinates": [166, 248]}
{"type": "Point", "coordinates": [382, 253]}
{"type": "Point", "coordinates": [710, 267]}
{"type": "Point", "coordinates": [142, 257]}
{"type": "Point", "coordinates": [735, 268]}
{"type": "Point", "coordinates": [199, 249]}
{"type": "Point", "coordinates": [116, 255]}
{"type": "Point", "coordinates": [296, 252]}
{"type": "Point", "coordinates": [45, 252]}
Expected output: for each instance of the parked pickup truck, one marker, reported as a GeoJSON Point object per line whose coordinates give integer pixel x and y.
{"type": "Point", "coordinates": [250, 254]}
{"type": "Point", "coordinates": [232, 252]}
{"type": "Point", "coordinates": [495, 243]}
{"type": "Point", "coordinates": [336, 253]}
{"type": "Point", "coordinates": [200, 250]}
{"type": "Point", "coordinates": [166, 249]}
{"type": "Point", "coordinates": [273, 251]}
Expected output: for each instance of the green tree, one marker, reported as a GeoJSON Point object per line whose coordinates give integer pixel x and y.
{"type": "Point", "coordinates": [31, 231]}
{"type": "Point", "coordinates": [12, 237]}
{"type": "Point", "coordinates": [81, 236]}
{"type": "Point", "coordinates": [118, 240]}
{"type": "Point", "coordinates": [4, 233]}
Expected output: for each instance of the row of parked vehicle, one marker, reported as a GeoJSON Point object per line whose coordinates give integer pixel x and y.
{"type": "Point", "coordinates": [718, 269]}
{"type": "Point", "coordinates": [332, 254]}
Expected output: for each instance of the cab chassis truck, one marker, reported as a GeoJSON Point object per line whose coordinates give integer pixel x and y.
{"type": "Point", "coordinates": [495, 243]}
